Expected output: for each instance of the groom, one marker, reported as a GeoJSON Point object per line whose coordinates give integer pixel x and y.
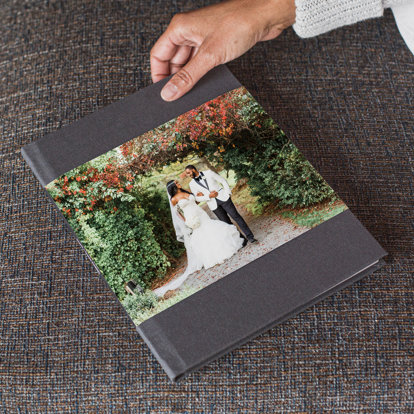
{"type": "Point", "coordinates": [213, 188]}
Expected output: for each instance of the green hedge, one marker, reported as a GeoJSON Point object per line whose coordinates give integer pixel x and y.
{"type": "Point", "coordinates": [275, 169]}
{"type": "Point", "coordinates": [157, 211]}
{"type": "Point", "coordinates": [123, 245]}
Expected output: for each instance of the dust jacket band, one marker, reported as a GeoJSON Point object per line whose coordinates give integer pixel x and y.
{"type": "Point", "coordinates": [265, 292]}
{"type": "Point", "coordinates": [67, 148]}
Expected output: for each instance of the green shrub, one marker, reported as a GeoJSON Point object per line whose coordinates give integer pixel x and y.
{"type": "Point", "coordinates": [275, 169]}
{"type": "Point", "coordinates": [157, 211]}
{"type": "Point", "coordinates": [141, 307]}
{"type": "Point", "coordinates": [135, 304]}
{"type": "Point", "coordinates": [311, 217]}
{"type": "Point", "coordinates": [123, 245]}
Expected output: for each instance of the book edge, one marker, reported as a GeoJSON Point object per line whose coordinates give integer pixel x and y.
{"type": "Point", "coordinates": [175, 377]}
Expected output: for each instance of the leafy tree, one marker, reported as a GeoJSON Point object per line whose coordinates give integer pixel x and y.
{"type": "Point", "coordinates": [131, 250]}
{"type": "Point", "coordinates": [236, 132]}
{"type": "Point", "coordinates": [157, 211]}
{"type": "Point", "coordinates": [102, 208]}
{"type": "Point", "coordinates": [276, 170]}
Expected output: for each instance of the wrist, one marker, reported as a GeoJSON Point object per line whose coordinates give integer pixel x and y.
{"type": "Point", "coordinates": [272, 17]}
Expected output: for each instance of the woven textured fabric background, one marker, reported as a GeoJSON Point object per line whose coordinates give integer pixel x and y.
{"type": "Point", "coordinates": [66, 345]}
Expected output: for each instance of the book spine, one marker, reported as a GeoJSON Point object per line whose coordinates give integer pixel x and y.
{"type": "Point", "coordinates": [37, 162]}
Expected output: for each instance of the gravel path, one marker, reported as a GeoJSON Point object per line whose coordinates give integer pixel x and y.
{"type": "Point", "coordinates": [270, 231]}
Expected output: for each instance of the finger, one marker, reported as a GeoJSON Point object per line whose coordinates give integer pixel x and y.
{"type": "Point", "coordinates": [175, 67]}
{"type": "Point", "coordinates": [189, 75]}
{"type": "Point", "coordinates": [161, 54]}
{"type": "Point", "coordinates": [180, 58]}
{"type": "Point", "coordinates": [194, 51]}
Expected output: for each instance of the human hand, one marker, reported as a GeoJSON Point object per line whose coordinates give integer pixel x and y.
{"type": "Point", "coordinates": [200, 194]}
{"type": "Point", "coordinates": [213, 194]}
{"type": "Point", "coordinates": [197, 41]}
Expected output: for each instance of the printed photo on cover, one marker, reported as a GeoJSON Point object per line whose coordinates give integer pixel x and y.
{"type": "Point", "coordinates": [183, 205]}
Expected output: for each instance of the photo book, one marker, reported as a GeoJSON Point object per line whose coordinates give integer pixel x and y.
{"type": "Point", "coordinates": [205, 220]}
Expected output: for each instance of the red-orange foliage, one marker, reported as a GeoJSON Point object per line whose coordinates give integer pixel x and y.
{"type": "Point", "coordinates": [215, 120]}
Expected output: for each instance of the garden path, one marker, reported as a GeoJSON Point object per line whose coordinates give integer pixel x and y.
{"type": "Point", "coordinates": [270, 230]}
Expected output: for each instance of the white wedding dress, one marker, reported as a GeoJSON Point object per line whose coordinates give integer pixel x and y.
{"type": "Point", "coordinates": [211, 242]}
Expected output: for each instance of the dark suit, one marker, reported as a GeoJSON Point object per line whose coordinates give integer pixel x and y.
{"type": "Point", "coordinates": [227, 209]}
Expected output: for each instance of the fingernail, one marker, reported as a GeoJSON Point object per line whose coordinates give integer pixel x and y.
{"type": "Point", "coordinates": [169, 91]}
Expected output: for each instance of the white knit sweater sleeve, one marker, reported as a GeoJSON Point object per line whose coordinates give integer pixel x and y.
{"type": "Point", "coordinates": [314, 17]}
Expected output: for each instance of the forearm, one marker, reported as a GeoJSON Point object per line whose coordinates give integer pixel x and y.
{"type": "Point", "coordinates": [314, 17]}
{"type": "Point", "coordinates": [202, 198]}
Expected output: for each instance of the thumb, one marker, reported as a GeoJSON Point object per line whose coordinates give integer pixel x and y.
{"type": "Point", "coordinates": [189, 75]}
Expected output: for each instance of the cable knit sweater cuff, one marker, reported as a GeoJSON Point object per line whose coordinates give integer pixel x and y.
{"type": "Point", "coordinates": [314, 17]}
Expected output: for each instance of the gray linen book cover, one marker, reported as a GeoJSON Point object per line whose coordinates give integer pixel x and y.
{"type": "Point", "coordinates": [205, 220]}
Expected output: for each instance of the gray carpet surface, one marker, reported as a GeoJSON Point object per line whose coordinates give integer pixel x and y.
{"type": "Point", "coordinates": [345, 98]}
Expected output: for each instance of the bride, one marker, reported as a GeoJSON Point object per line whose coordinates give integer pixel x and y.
{"type": "Point", "coordinates": [208, 242]}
